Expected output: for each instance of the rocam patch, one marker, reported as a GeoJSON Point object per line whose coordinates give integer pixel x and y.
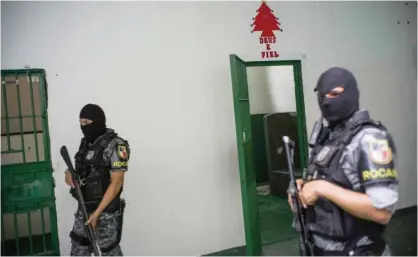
{"type": "Point", "coordinates": [379, 151]}
{"type": "Point", "coordinates": [380, 174]}
{"type": "Point", "coordinates": [120, 164]}
{"type": "Point", "coordinates": [122, 152]}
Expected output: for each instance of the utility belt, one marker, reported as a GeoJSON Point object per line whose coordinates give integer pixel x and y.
{"type": "Point", "coordinates": [93, 197]}
{"type": "Point", "coordinates": [111, 208]}
{"type": "Point", "coordinates": [86, 242]}
{"type": "Point", "coordinates": [374, 249]}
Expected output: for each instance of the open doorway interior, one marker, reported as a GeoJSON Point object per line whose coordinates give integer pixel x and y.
{"type": "Point", "coordinates": [273, 114]}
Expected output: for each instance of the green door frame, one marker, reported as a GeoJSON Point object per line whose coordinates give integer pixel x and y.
{"type": "Point", "coordinates": [246, 162]}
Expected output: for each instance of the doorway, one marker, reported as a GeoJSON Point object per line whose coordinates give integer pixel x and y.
{"type": "Point", "coordinates": [268, 104]}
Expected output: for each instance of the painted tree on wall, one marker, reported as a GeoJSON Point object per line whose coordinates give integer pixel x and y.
{"type": "Point", "coordinates": [265, 21]}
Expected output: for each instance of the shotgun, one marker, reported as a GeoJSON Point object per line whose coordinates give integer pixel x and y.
{"type": "Point", "coordinates": [90, 233]}
{"type": "Point", "coordinates": [305, 248]}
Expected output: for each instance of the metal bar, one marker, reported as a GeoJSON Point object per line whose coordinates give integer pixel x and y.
{"type": "Point", "coordinates": [43, 228]}
{"type": "Point", "coordinates": [2, 235]}
{"type": "Point", "coordinates": [24, 133]}
{"type": "Point", "coordinates": [54, 229]}
{"type": "Point", "coordinates": [45, 129]}
{"type": "Point", "coordinates": [16, 233]}
{"type": "Point", "coordinates": [30, 235]}
{"type": "Point", "coordinates": [22, 141]}
{"type": "Point", "coordinates": [23, 116]}
{"type": "Point", "coordinates": [23, 71]}
{"type": "Point", "coordinates": [3, 78]}
{"type": "Point", "coordinates": [33, 115]}
{"type": "Point", "coordinates": [11, 151]}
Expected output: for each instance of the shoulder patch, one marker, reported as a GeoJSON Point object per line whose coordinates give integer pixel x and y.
{"type": "Point", "coordinates": [379, 151]}
{"type": "Point", "coordinates": [122, 152]}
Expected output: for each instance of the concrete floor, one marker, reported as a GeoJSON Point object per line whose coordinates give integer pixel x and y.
{"type": "Point", "coordinates": [280, 239]}
{"type": "Point", "coordinates": [401, 235]}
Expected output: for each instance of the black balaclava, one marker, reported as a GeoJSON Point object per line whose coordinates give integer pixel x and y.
{"type": "Point", "coordinates": [337, 109]}
{"type": "Point", "coordinates": [98, 127]}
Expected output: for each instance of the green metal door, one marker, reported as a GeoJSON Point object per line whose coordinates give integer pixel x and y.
{"type": "Point", "coordinates": [245, 152]}
{"type": "Point", "coordinates": [29, 219]}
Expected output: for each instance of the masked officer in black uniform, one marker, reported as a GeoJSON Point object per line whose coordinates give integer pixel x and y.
{"type": "Point", "coordinates": [351, 186]}
{"type": "Point", "coordinates": [100, 163]}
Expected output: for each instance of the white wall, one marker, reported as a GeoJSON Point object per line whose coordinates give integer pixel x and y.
{"type": "Point", "coordinates": [161, 73]}
{"type": "Point", "coordinates": [271, 89]}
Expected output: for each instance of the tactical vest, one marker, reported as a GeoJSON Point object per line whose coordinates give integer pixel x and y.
{"type": "Point", "coordinates": [326, 219]}
{"type": "Point", "coordinates": [93, 171]}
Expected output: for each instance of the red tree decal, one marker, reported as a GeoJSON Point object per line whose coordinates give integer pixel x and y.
{"type": "Point", "coordinates": [265, 21]}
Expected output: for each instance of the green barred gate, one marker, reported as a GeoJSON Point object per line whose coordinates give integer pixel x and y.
{"type": "Point", "coordinates": [29, 218]}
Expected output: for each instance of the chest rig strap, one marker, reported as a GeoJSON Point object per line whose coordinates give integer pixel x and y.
{"type": "Point", "coordinates": [355, 127]}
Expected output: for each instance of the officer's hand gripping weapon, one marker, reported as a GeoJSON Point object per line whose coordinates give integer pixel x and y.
{"type": "Point", "coordinates": [90, 234]}
{"type": "Point", "coordinates": [304, 246]}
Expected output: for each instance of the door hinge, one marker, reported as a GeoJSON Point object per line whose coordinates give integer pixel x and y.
{"type": "Point", "coordinates": [243, 135]}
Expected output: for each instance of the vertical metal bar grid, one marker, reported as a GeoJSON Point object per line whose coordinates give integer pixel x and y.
{"type": "Point", "coordinates": [54, 229]}
{"type": "Point", "coordinates": [45, 129]}
{"type": "Point", "coordinates": [30, 234]}
{"type": "Point", "coordinates": [6, 114]}
{"type": "Point", "coordinates": [2, 234]}
{"type": "Point", "coordinates": [33, 114]}
{"type": "Point", "coordinates": [29, 247]}
{"type": "Point", "coordinates": [16, 233]}
{"type": "Point", "coordinates": [43, 229]}
{"type": "Point", "coordinates": [19, 108]}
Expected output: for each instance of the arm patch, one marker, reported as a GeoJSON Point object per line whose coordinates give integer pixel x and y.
{"type": "Point", "coordinates": [119, 157]}
{"type": "Point", "coordinates": [122, 151]}
{"type": "Point", "coordinates": [376, 163]}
